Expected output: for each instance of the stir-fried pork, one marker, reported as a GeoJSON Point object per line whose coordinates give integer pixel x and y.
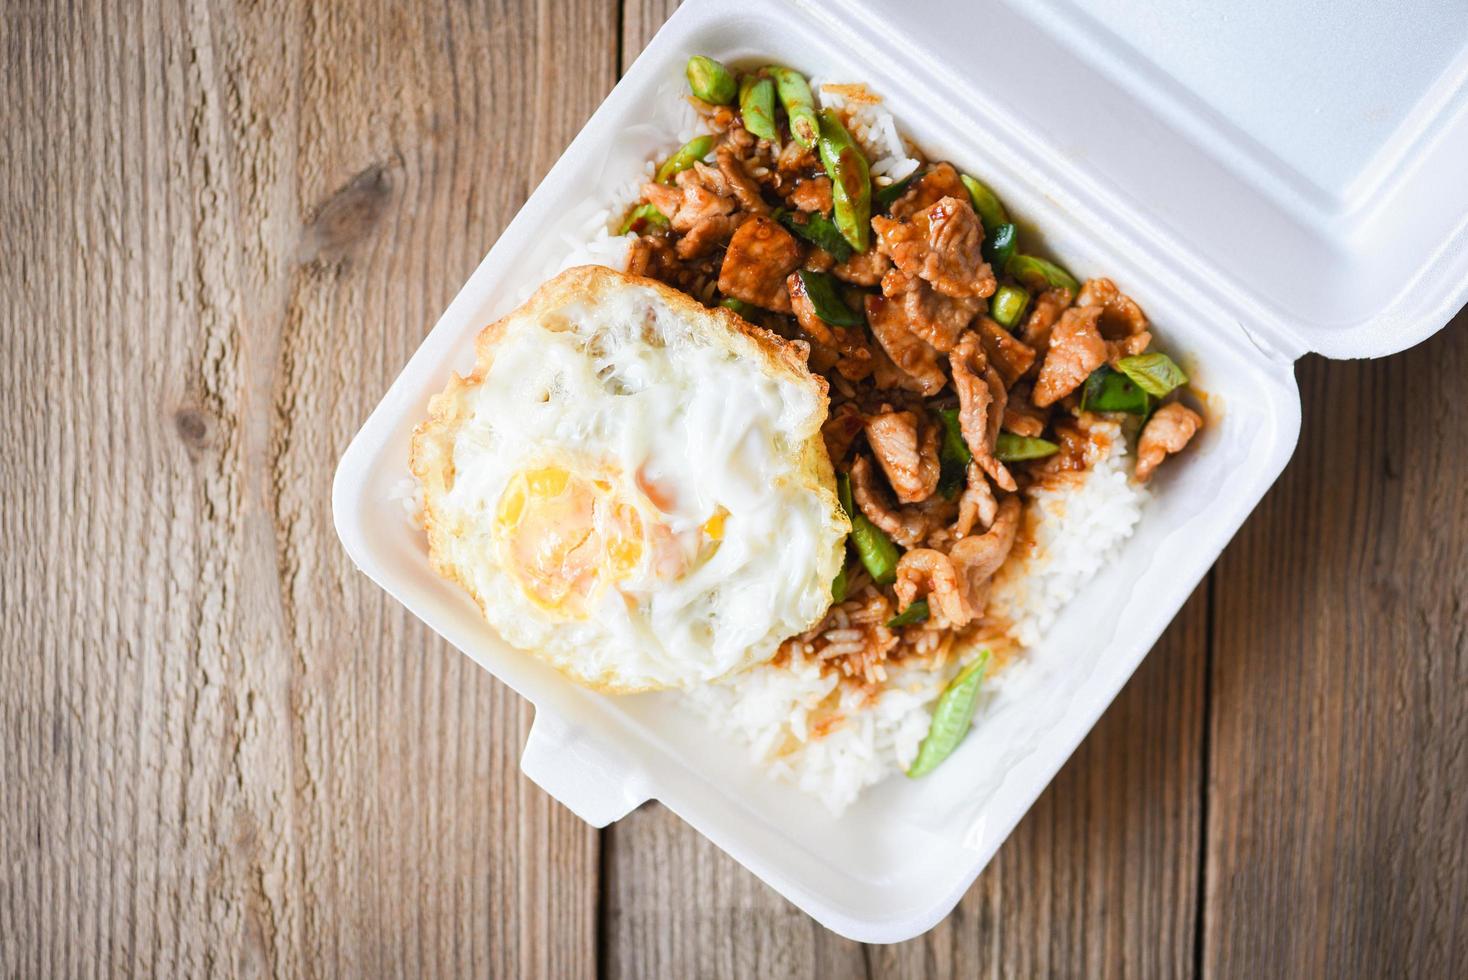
{"type": "Point", "coordinates": [939, 182]}
{"type": "Point", "coordinates": [761, 256]}
{"type": "Point", "coordinates": [1048, 307]}
{"type": "Point", "coordinates": [914, 358]}
{"type": "Point", "coordinates": [1010, 357]}
{"type": "Point", "coordinates": [936, 318]}
{"type": "Point", "coordinates": [1167, 431]}
{"type": "Point", "coordinates": [907, 448]}
{"type": "Point", "coordinates": [981, 400]}
{"type": "Point", "coordinates": [940, 244]}
{"type": "Point", "coordinates": [863, 269]}
{"type": "Point", "coordinates": [976, 506]}
{"type": "Point", "coordinates": [908, 526]}
{"type": "Point", "coordinates": [1076, 349]}
{"type": "Point", "coordinates": [812, 194]}
{"type": "Point", "coordinates": [927, 572]}
{"type": "Point", "coordinates": [979, 556]}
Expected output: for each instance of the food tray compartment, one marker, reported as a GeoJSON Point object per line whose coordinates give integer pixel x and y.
{"type": "Point", "coordinates": [904, 853]}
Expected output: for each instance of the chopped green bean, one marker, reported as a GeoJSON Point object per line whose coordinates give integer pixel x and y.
{"type": "Point", "coordinates": [711, 81]}
{"type": "Point", "coordinates": [819, 230]}
{"type": "Point", "coordinates": [916, 613]}
{"type": "Point", "coordinates": [821, 290]}
{"type": "Point", "coordinates": [640, 217]}
{"type": "Point", "coordinates": [851, 185]}
{"type": "Point", "coordinates": [998, 247]}
{"type": "Point", "coordinates": [1111, 391]}
{"type": "Point", "coordinates": [688, 154]}
{"type": "Point", "coordinates": [1038, 275]}
{"type": "Point", "coordinates": [885, 196]}
{"type": "Point", "coordinates": [1008, 306]}
{"type": "Point", "coordinates": [952, 718]}
{"type": "Point", "coordinates": [1010, 448]}
{"type": "Point", "coordinates": [746, 310]}
{"type": "Point", "coordinates": [838, 586]}
{"type": "Point", "coordinates": [1155, 372]}
{"type": "Point", "coordinates": [986, 205]}
{"type": "Point", "coordinates": [757, 106]}
{"type": "Point", "coordinates": [800, 106]}
{"type": "Point", "coordinates": [875, 549]}
{"type": "Point", "coordinates": [877, 552]}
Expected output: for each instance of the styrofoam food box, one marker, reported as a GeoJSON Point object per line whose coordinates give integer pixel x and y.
{"type": "Point", "coordinates": [1253, 216]}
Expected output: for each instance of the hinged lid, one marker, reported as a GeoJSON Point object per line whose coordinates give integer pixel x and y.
{"type": "Point", "coordinates": [1305, 164]}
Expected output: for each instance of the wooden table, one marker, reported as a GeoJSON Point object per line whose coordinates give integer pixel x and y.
{"type": "Point", "coordinates": [225, 227]}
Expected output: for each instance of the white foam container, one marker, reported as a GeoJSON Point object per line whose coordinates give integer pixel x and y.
{"type": "Point", "coordinates": [1265, 181]}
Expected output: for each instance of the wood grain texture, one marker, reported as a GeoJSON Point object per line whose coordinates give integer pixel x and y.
{"type": "Point", "coordinates": [1337, 820]}
{"type": "Point", "coordinates": [226, 226]}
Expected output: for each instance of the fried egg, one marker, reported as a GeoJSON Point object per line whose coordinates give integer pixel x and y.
{"type": "Point", "coordinates": [633, 487]}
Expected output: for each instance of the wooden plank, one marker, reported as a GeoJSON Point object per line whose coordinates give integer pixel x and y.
{"type": "Point", "coordinates": [226, 228]}
{"type": "Point", "coordinates": [1337, 824]}
{"type": "Point", "coordinates": [1099, 880]}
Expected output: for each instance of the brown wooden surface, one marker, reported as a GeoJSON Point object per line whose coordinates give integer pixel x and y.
{"type": "Point", "coordinates": [223, 228]}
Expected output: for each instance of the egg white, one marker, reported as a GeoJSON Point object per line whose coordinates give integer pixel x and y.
{"type": "Point", "coordinates": [673, 415]}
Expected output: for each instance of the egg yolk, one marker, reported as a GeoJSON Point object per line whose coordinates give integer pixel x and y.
{"type": "Point", "coordinates": [562, 534]}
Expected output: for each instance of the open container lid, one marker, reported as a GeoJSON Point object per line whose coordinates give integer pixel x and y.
{"type": "Point", "coordinates": [1303, 165]}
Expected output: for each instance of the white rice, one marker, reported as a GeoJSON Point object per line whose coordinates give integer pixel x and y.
{"type": "Point", "coordinates": [1074, 525]}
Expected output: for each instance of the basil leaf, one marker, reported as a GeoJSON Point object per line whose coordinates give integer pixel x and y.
{"type": "Point", "coordinates": [1011, 448]}
{"type": "Point", "coordinates": [911, 616]}
{"type": "Point", "coordinates": [1154, 373]}
{"type": "Point", "coordinates": [1038, 275]}
{"type": "Point", "coordinates": [1111, 391]}
{"type": "Point", "coordinates": [885, 196]}
{"type": "Point", "coordinates": [821, 289]}
{"type": "Point", "coordinates": [953, 455]}
{"type": "Point", "coordinates": [952, 718]}
{"type": "Point", "coordinates": [999, 244]}
{"type": "Point", "coordinates": [819, 230]}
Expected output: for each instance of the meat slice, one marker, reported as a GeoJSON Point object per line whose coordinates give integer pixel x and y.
{"type": "Point", "coordinates": [976, 506]}
{"type": "Point", "coordinates": [1166, 432]}
{"type": "Point", "coordinates": [914, 358]}
{"type": "Point", "coordinates": [907, 526]}
{"type": "Point", "coordinates": [863, 268]}
{"type": "Point", "coordinates": [1076, 349]}
{"type": "Point", "coordinates": [737, 182]}
{"type": "Point", "coordinates": [1048, 307]}
{"type": "Point", "coordinates": [1120, 315]}
{"type": "Point", "coordinates": [795, 159]}
{"type": "Point", "coordinates": [981, 400]}
{"type": "Point", "coordinates": [1020, 416]}
{"type": "Point", "coordinates": [812, 194]}
{"type": "Point", "coordinates": [936, 318]}
{"type": "Point", "coordinates": [1010, 357]}
{"type": "Point", "coordinates": [940, 244]}
{"type": "Point", "coordinates": [928, 573]}
{"type": "Point", "coordinates": [976, 558]}
{"type": "Point", "coordinates": [699, 206]}
{"type": "Point", "coordinates": [1127, 347]}
{"type": "Point", "coordinates": [761, 257]}
{"type": "Point", "coordinates": [840, 430]}
{"type": "Point", "coordinates": [850, 354]}
{"type": "Point", "coordinates": [939, 182]}
{"type": "Point", "coordinates": [907, 448]}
